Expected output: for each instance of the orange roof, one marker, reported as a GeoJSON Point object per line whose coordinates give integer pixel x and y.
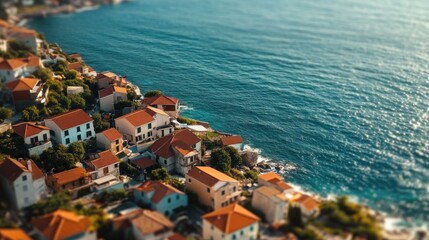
{"type": "Point", "coordinates": [71, 119]}
{"type": "Point", "coordinates": [160, 100]}
{"type": "Point", "coordinates": [181, 140]}
{"type": "Point", "coordinates": [209, 176]}
{"type": "Point", "coordinates": [306, 201]}
{"type": "Point", "coordinates": [11, 169]}
{"type": "Point", "coordinates": [152, 221]}
{"type": "Point", "coordinates": [36, 173]}
{"type": "Point", "coordinates": [231, 218]}
{"type": "Point", "coordinates": [120, 89]}
{"type": "Point", "coordinates": [107, 74]}
{"type": "Point", "coordinates": [152, 111]}
{"type": "Point", "coordinates": [22, 84]}
{"type": "Point", "coordinates": [27, 129]}
{"type": "Point", "coordinates": [231, 140]}
{"type": "Point", "coordinates": [15, 63]}
{"type": "Point", "coordinates": [143, 162]}
{"type": "Point", "coordinates": [137, 118]}
{"type": "Point", "coordinates": [68, 176]}
{"type": "Point", "coordinates": [13, 234]}
{"type": "Point", "coordinates": [275, 179]}
{"type": "Point", "coordinates": [75, 66]}
{"type": "Point", "coordinates": [105, 92]}
{"type": "Point", "coordinates": [269, 192]}
{"type": "Point", "coordinates": [75, 55]}
{"type": "Point", "coordinates": [112, 134]}
{"type": "Point", "coordinates": [161, 190]}
{"type": "Point", "coordinates": [61, 224]}
{"type": "Point", "coordinates": [105, 159]}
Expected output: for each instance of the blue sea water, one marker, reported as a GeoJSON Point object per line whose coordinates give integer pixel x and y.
{"type": "Point", "coordinates": [339, 88]}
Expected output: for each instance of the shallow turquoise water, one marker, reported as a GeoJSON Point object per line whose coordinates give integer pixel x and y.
{"type": "Point", "coordinates": [337, 88]}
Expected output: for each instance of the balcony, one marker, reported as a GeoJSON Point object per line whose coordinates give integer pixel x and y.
{"type": "Point", "coordinates": [37, 148]}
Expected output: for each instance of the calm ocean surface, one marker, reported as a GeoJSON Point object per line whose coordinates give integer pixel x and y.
{"type": "Point", "coordinates": [339, 89]}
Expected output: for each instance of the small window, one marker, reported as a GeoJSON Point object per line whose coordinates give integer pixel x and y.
{"type": "Point", "coordinates": [177, 197]}
{"type": "Point", "coordinates": [223, 192]}
{"type": "Point", "coordinates": [149, 134]}
{"type": "Point", "coordinates": [66, 133]}
{"type": "Point", "coordinates": [169, 200]}
{"type": "Point", "coordinates": [189, 180]}
{"type": "Point", "coordinates": [139, 130]}
{"type": "Point", "coordinates": [142, 194]}
{"type": "Point", "coordinates": [234, 237]}
{"type": "Point", "coordinates": [116, 165]}
{"type": "Point", "coordinates": [106, 170]}
{"type": "Point", "coordinates": [88, 134]}
{"type": "Point", "coordinates": [212, 227]}
{"type": "Point", "coordinates": [88, 126]}
{"type": "Point", "coordinates": [241, 233]}
{"type": "Point", "coordinates": [24, 188]}
{"type": "Point", "coordinates": [149, 126]}
{"type": "Point", "coordinates": [26, 200]}
{"type": "Point", "coordinates": [24, 178]}
{"type": "Point", "coordinates": [117, 141]}
{"type": "Point", "coordinates": [251, 228]}
{"type": "Point", "coordinates": [234, 189]}
{"type": "Point", "coordinates": [79, 137]}
{"type": "Point", "coordinates": [171, 130]}
{"type": "Point", "coordinates": [165, 162]}
{"type": "Point", "coordinates": [208, 189]}
{"type": "Point", "coordinates": [45, 137]}
{"type": "Point", "coordinates": [78, 129]}
{"type": "Point", "coordinates": [52, 133]}
{"type": "Point", "coordinates": [67, 140]}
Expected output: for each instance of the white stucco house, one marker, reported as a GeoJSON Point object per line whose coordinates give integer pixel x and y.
{"type": "Point", "coordinates": [233, 141]}
{"type": "Point", "coordinates": [103, 168]}
{"type": "Point", "coordinates": [231, 222]}
{"type": "Point", "coordinates": [11, 69]}
{"type": "Point", "coordinates": [110, 96]}
{"type": "Point", "coordinates": [110, 139]}
{"type": "Point", "coordinates": [71, 126]}
{"type": "Point", "coordinates": [179, 151]}
{"type": "Point", "coordinates": [22, 182]}
{"type": "Point", "coordinates": [272, 179]}
{"type": "Point", "coordinates": [137, 126]}
{"type": "Point", "coordinates": [271, 202]}
{"type": "Point", "coordinates": [168, 104]}
{"type": "Point", "coordinates": [36, 137]}
{"type": "Point", "coordinates": [160, 196]}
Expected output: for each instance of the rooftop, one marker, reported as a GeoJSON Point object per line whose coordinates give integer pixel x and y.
{"type": "Point", "coordinates": [22, 84]}
{"type": "Point", "coordinates": [151, 222]}
{"type": "Point", "coordinates": [15, 63]}
{"type": "Point", "coordinates": [71, 119]}
{"type": "Point", "coordinates": [61, 224]}
{"type": "Point", "coordinates": [161, 190]}
{"type": "Point", "coordinates": [181, 140]}
{"type": "Point", "coordinates": [209, 176]}
{"type": "Point", "coordinates": [13, 234]}
{"type": "Point", "coordinates": [104, 159]}
{"type": "Point", "coordinates": [160, 100]}
{"type": "Point", "coordinates": [11, 169]}
{"type": "Point", "coordinates": [70, 175]}
{"type": "Point", "coordinates": [231, 218]}
{"type": "Point", "coordinates": [27, 129]}
{"type": "Point", "coordinates": [137, 118]}
{"type": "Point", "coordinates": [143, 162]}
{"type": "Point", "coordinates": [112, 134]}
{"type": "Point", "coordinates": [231, 140]}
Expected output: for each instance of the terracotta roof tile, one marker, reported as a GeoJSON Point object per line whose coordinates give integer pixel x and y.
{"type": "Point", "coordinates": [151, 221]}
{"type": "Point", "coordinates": [306, 201]}
{"type": "Point", "coordinates": [161, 190]}
{"type": "Point", "coordinates": [269, 176]}
{"type": "Point", "coordinates": [138, 118]}
{"type": "Point", "coordinates": [61, 224]}
{"type": "Point", "coordinates": [143, 162]}
{"type": "Point", "coordinates": [105, 159]}
{"type": "Point", "coordinates": [105, 92]}
{"type": "Point", "coordinates": [120, 89]}
{"type": "Point", "coordinates": [11, 169]}
{"type": "Point", "coordinates": [27, 129]}
{"type": "Point", "coordinates": [180, 140]}
{"type": "Point", "coordinates": [231, 140]}
{"type": "Point", "coordinates": [231, 218]}
{"type": "Point", "coordinates": [160, 100]}
{"type": "Point", "coordinates": [15, 63]}
{"type": "Point", "coordinates": [70, 175]}
{"type": "Point", "coordinates": [152, 111]}
{"type": "Point", "coordinates": [71, 119]}
{"type": "Point", "coordinates": [13, 234]}
{"type": "Point", "coordinates": [112, 134]}
{"type": "Point", "coordinates": [36, 173]}
{"type": "Point", "coordinates": [209, 176]}
{"type": "Point", "coordinates": [77, 66]}
{"type": "Point", "coordinates": [22, 84]}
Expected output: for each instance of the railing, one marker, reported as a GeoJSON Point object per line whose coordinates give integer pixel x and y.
{"type": "Point", "coordinates": [39, 143]}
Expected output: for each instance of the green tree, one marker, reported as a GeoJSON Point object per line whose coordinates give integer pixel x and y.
{"type": "Point", "coordinates": [43, 74]}
{"type": "Point", "coordinates": [5, 113]}
{"type": "Point", "coordinates": [59, 99]}
{"type": "Point", "coordinates": [153, 93]}
{"type": "Point", "coordinates": [56, 159]}
{"type": "Point", "coordinates": [59, 200]}
{"type": "Point", "coordinates": [18, 49]}
{"type": "Point", "coordinates": [132, 95]}
{"type": "Point", "coordinates": [3, 13]}
{"type": "Point", "coordinates": [251, 174]}
{"type": "Point", "coordinates": [295, 217]}
{"type": "Point", "coordinates": [128, 169]}
{"type": "Point", "coordinates": [220, 160]}
{"type": "Point", "coordinates": [12, 144]}
{"type": "Point", "coordinates": [78, 150]}
{"type": "Point", "coordinates": [54, 85]}
{"type": "Point", "coordinates": [160, 174]}
{"type": "Point", "coordinates": [30, 114]}
{"type": "Point", "coordinates": [234, 155]}
{"type": "Point", "coordinates": [99, 123]}
{"type": "Point", "coordinates": [76, 101]}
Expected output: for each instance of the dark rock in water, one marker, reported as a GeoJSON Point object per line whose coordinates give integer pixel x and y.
{"type": "Point", "coordinates": [278, 167]}
{"type": "Point", "coordinates": [250, 159]}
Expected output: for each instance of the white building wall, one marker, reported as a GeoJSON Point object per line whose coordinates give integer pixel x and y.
{"type": "Point", "coordinates": [176, 201]}
{"type": "Point", "coordinates": [107, 103]}
{"type": "Point", "coordinates": [24, 191]}
{"type": "Point", "coordinates": [27, 140]}
{"type": "Point", "coordinates": [272, 208]}
{"type": "Point", "coordinates": [73, 133]}
{"type": "Point", "coordinates": [112, 170]}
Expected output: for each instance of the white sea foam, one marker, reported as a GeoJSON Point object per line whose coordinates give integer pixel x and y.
{"type": "Point", "coordinates": [85, 9]}
{"type": "Point", "coordinates": [186, 108]}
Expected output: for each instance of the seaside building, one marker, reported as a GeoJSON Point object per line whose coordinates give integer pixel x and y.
{"type": "Point", "coordinates": [110, 96]}
{"type": "Point", "coordinates": [162, 124]}
{"type": "Point", "coordinates": [233, 141]}
{"type": "Point", "coordinates": [11, 69]}
{"type": "Point", "coordinates": [213, 188]}
{"type": "Point", "coordinates": [144, 164]}
{"type": "Point", "coordinates": [137, 126]}
{"type": "Point", "coordinates": [71, 126]}
{"type": "Point", "coordinates": [37, 137]}
{"type": "Point", "coordinates": [72, 180]}
{"type": "Point", "coordinates": [110, 139]}
{"type": "Point", "coordinates": [63, 224]}
{"type": "Point", "coordinates": [22, 182]}
{"type": "Point", "coordinates": [308, 205]}
{"type": "Point", "coordinates": [168, 104]}
{"type": "Point", "coordinates": [231, 222]}
{"type": "Point", "coordinates": [103, 168]}
{"type": "Point", "coordinates": [13, 234]}
{"type": "Point", "coordinates": [27, 92]}
{"type": "Point", "coordinates": [178, 152]}
{"type": "Point", "coordinates": [271, 202]}
{"type": "Point", "coordinates": [26, 36]}
{"type": "Point", "coordinates": [160, 197]}
{"type": "Point", "coordinates": [272, 179]}
{"type": "Point", "coordinates": [107, 79]}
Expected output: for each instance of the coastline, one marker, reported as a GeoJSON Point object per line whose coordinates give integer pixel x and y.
{"type": "Point", "coordinates": [272, 163]}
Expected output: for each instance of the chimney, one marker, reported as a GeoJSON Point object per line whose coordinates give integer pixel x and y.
{"type": "Point", "coordinates": [29, 165]}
